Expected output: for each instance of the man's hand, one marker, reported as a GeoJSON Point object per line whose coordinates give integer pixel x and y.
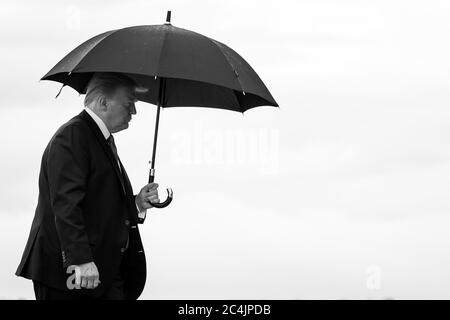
{"type": "Point", "coordinates": [148, 193]}
{"type": "Point", "coordinates": [87, 276]}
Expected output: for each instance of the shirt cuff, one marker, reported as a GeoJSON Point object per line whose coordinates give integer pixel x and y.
{"type": "Point", "coordinates": [141, 214]}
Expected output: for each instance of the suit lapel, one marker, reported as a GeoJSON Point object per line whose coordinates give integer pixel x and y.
{"type": "Point", "coordinates": [101, 139]}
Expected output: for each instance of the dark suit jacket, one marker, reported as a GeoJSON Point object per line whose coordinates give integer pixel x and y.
{"type": "Point", "coordinates": [85, 212]}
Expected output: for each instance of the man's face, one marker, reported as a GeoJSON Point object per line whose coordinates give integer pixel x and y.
{"type": "Point", "coordinates": [120, 107]}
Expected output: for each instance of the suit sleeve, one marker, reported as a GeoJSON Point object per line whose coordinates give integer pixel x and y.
{"type": "Point", "coordinates": [67, 171]}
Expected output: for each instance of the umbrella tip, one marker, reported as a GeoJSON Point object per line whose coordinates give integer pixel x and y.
{"type": "Point", "coordinates": [168, 17]}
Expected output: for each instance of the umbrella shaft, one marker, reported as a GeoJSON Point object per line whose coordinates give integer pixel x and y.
{"type": "Point", "coordinates": [162, 85]}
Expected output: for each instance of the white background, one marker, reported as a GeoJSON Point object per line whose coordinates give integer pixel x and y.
{"type": "Point", "coordinates": [342, 193]}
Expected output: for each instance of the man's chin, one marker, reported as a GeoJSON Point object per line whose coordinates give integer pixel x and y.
{"type": "Point", "coordinates": [123, 127]}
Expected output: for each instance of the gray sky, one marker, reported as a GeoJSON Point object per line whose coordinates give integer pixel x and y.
{"type": "Point", "coordinates": [343, 192]}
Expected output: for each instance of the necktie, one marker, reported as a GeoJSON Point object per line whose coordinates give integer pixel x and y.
{"type": "Point", "coordinates": [112, 144]}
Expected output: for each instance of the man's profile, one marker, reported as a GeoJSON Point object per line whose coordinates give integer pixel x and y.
{"type": "Point", "coordinates": [84, 241]}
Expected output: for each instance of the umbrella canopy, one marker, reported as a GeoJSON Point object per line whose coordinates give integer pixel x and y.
{"type": "Point", "coordinates": [198, 71]}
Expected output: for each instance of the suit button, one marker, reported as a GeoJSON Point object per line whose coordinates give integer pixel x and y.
{"type": "Point", "coordinates": [127, 222]}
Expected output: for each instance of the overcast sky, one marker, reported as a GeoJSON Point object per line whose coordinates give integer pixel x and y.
{"type": "Point", "coordinates": [342, 193]}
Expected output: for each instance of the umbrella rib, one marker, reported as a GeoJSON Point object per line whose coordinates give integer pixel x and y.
{"type": "Point", "coordinates": [161, 51]}
{"type": "Point", "coordinates": [228, 60]}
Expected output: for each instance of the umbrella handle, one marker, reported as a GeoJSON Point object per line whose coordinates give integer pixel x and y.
{"type": "Point", "coordinates": [151, 178]}
{"type": "Point", "coordinates": [166, 202]}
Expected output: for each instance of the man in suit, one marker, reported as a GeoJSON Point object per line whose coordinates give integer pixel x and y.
{"type": "Point", "coordinates": [84, 241]}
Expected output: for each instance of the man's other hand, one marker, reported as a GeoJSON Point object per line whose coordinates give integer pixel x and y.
{"type": "Point", "coordinates": [148, 193]}
{"type": "Point", "coordinates": [87, 276]}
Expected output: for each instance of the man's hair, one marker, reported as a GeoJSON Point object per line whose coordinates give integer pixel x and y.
{"type": "Point", "coordinates": [104, 84]}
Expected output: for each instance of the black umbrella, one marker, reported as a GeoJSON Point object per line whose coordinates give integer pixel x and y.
{"type": "Point", "coordinates": [179, 68]}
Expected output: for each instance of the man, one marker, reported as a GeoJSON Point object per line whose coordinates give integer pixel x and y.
{"type": "Point", "coordinates": [84, 241]}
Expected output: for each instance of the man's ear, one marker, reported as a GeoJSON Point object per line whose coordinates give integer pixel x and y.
{"type": "Point", "coordinates": [103, 103]}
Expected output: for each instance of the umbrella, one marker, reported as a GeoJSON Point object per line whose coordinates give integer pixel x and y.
{"type": "Point", "coordinates": [177, 67]}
